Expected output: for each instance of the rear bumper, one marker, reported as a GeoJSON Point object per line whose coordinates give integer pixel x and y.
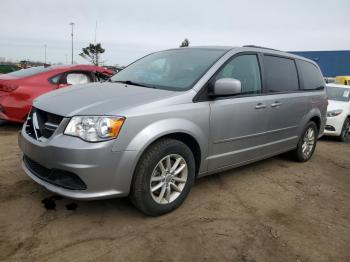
{"type": "Point", "coordinates": [15, 113]}
{"type": "Point", "coordinates": [3, 116]}
{"type": "Point", "coordinates": [105, 173]}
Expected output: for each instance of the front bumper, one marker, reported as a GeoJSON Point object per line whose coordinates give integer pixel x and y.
{"type": "Point", "coordinates": [334, 126]}
{"type": "Point", "coordinates": [106, 173]}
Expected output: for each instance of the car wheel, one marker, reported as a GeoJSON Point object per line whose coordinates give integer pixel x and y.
{"type": "Point", "coordinates": [163, 177]}
{"type": "Point", "coordinates": [2, 122]}
{"type": "Point", "coordinates": [307, 143]}
{"type": "Point", "coordinates": [345, 131]}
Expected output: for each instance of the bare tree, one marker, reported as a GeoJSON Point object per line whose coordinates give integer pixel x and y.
{"type": "Point", "coordinates": [185, 43]}
{"type": "Point", "coordinates": [92, 53]}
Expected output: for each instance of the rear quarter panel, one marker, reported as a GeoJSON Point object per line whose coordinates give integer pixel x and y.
{"type": "Point", "coordinates": [316, 102]}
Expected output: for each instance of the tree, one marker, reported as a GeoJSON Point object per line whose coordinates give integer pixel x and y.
{"type": "Point", "coordinates": [185, 43]}
{"type": "Point", "coordinates": [92, 53]}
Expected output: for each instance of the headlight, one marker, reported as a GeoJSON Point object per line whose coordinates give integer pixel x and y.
{"type": "Point", "coordinates": [334, 113]}
{"type": "Point", "coordinates": [94, 128]}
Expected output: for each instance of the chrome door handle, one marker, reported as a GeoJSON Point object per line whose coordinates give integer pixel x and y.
{"type": "Point", "coordinates": [276, 104]}
{"type": "Point", "coordinates": [260, 106]}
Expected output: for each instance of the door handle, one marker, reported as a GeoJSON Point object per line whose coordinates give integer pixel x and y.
{"type": "Point", "coordinates": [276, 104]}
{"type": "Point", "coordinates": [260, 106]}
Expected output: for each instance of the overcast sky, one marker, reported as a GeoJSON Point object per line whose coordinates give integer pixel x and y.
{"type": "Point", "coordinates": [129, 29]}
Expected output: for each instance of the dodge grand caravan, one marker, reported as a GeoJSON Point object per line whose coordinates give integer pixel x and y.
{"type": "Point", "coordinates": [171, 117]}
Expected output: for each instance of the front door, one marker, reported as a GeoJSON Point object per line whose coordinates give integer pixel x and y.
{"type": "Point", "coordinates": [239, 123]}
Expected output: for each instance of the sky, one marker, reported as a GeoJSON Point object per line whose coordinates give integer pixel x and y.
{"type": "Point", "coordinates": [129, 29]}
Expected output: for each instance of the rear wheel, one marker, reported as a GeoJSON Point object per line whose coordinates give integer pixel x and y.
{"type": "Point", "coordinates": [345, 131]}
{"type": "Point", "coordinates": [163, 177]}
{"type": "Point", "coordinates": [307, 143]}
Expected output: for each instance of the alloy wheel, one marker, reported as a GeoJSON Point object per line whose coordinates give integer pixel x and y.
{"type": "Point", "coordinates": [168, 179]}
{"type": "Point", "coordinates": [308, 142]}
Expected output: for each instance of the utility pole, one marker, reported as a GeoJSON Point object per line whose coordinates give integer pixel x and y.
{"type": "Point", "coordinates": [95, 31]}
{"type": "Point", "coordinates": [72, 25]}
{"type": "Point", "coordinates": [45, 53]}
{"type": "Point", "coordinates": [96, 57]}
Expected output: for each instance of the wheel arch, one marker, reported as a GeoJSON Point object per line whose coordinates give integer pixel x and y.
{"type": "Point", "coordinates": [315, 116]}
{"type": "Point", "coordinates": [317, 120]}
{"type": "Point", "coordinates": [189, 141]}
{"type": "Point", "coordinates": [188, 132]}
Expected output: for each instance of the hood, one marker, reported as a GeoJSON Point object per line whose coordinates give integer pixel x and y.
{"type": "Point", "coordinates": [333, 105]}
{"type": "Point", "coordinates": [98, 99]}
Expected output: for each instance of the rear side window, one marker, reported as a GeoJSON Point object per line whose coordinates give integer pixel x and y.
{"type": "Point", "coordinates": [75, 78]}
{"type": "Point", "coordinates": [311, 76]}
{"type": "Point", "coordinates": [280, 74]}
{"type": "Point", "coordinates": [246, 69]}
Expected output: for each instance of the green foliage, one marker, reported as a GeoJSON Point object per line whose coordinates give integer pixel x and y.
{"type": "Point", "coordinates": [92, 53]}
{"type": "Point", "coordinates": [4, 69]}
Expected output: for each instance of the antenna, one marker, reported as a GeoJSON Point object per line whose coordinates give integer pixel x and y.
{"type": "Point", "coordinates": [95, 32]}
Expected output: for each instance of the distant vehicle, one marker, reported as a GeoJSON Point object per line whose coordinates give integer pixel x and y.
{"type": "Point", "coordinates": [114, 69]}
{"type": "Point", "coordinates": [338, 112]}
{"type": "Point", "coordinates": [329, 80]}
{"type": "Point", "coordinates": [170, 117]}
{"type": "Point", "coordinates": [342, 80]}
{"type": "Point", "coordinates": [18, 89]}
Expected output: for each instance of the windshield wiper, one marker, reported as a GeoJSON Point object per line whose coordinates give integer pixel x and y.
{"type": "Point", "coordinates": [128, 82]}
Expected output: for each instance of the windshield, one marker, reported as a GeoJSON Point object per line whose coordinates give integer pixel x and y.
{"type": "Point", "coordinates": [175, 70]}
{"type": "Point", "coordinates": [338, 93]}
{"type": "Point", "coordinates": [29, 71]}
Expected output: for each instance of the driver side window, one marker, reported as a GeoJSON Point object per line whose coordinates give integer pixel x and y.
{"type": "Point", "coordinates": [244, 68]}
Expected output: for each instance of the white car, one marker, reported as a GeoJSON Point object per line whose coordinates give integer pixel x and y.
{"type": "Point", "coordinates": [338, 111]}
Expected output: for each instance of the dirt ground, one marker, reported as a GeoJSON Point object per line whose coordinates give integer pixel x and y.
{"type": "Point", "coordinates": [274, 210]}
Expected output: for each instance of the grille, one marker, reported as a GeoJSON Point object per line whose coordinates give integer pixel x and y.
{"type": "Point", "coordinates": [42, 124]}
{"type": "Point", "coordinates": [56, 177]}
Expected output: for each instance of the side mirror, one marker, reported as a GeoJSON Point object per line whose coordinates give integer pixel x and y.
{"type": "Point", "coordinates": [227, 86]}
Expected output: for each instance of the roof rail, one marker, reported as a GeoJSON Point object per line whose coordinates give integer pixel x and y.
{"type": "Point", "coordinates": [256, 46]}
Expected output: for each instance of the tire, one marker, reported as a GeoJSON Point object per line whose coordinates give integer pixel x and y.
{"type": "Point", "coordinates": [345, 131]}
{"type": "Point", "coordinates": [2, 122]}
{"type": "Point", "coordinates": [307, 144]}
{"type": "Point", "coordinates": [154, 164]}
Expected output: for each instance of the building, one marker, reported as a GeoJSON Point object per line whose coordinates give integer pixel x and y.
{"type": "Point", "coordinates": [332, 63]}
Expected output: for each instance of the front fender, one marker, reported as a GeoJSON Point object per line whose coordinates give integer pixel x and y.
{"type": "Point", "coordinates": [164, 127]}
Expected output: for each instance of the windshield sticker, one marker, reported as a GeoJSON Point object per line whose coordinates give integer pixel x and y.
{"type": "Point", "coordinates": [346, 93]}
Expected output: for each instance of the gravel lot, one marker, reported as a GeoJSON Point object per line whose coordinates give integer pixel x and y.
{"type": "Point", "coordinates": [273, 210]}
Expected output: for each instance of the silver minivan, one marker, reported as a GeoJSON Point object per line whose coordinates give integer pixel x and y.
{"type": "Point", "coordinates": [171, 117]}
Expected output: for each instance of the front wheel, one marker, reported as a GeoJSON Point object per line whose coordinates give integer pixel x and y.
{"type": "Point", "coordinates": [345, 131]}
{"type": "Point", "coordinates": [163, 177]}
{"type": "Point", "coordinates": [307, 143]}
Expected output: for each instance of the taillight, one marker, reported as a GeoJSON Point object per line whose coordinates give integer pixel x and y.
{"type": "Point", "coordinates": [7, 87]}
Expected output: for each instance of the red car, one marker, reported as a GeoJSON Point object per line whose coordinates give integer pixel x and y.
{"type": "Point", "coordinates": [19, 89]}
